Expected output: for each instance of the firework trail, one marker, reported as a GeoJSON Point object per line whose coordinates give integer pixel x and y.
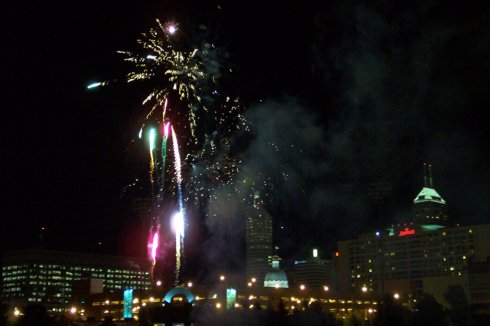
{"type": "Point", "coordinates": [178, 226]}
{"type": "Point", "coordinates": [153, 243]}
{"type": "Point", "coordinates": [151, 140]}
{"type": "Point", "coordinates": [178, 168]}
{"type": "Point", "coordinates": [179, 218]}
{"type": "Point", "coordinates": [165, 128]}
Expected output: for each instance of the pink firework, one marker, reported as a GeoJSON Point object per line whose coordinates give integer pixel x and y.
{"type": "Point", "coordinates": [166, 128]}
{"type": "Point", "coordinates": [153, 244]}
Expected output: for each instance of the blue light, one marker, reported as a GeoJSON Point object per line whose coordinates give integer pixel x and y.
{"type": "Point", "coordinates": [128, 303]}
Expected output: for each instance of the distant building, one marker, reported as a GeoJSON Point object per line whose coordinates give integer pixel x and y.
{"type": "Point", "coordinates": [408, 255]}
{"type": "Point", "coordinates": [314, 272]}
{"type": "Point", "coordinates": [429, 207]}
{"type": "Point", "coordinates": [479, 284]}
{"type": "Point", "coordinates": [48, 277]}
{"type": "Point", "coordinates": [258, 241]}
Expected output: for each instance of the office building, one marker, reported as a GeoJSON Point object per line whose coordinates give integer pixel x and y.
{"type": "Point", "coordinates": [258, 241]}
{"type": "Point", "coordinates": [409, 254]}
{"type": "Point", "coordinates": [314, 272]}
{"type": "Point", "coordinates": [47, 277]}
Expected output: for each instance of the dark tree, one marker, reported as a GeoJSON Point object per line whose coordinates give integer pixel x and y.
{"type": "Point", "coordinates": [459, 308]}
{"type": "Point", "coordinates": [35, 315]}
{"type": "Point", "coordinates": [390, 313]}
{"type": "Point", "coordinates": [3, 314]}
{"type": "Point", "coordinates": [427, 311]}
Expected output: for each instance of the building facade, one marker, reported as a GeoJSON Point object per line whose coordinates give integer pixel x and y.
{"type": "Point", "coordinates": [314, 272]}
{"type": "Point", "coordinates": [377, 261]}
{"type": "Point", "coordinates": [47, 277]}
{"type": "Point", "coordinates": [258, 240]}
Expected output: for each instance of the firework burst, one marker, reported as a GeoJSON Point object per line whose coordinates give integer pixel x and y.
{"type": "Point", "coordinates": [189, 75]}
{"type": "Point", "coordinates": [170, 68]}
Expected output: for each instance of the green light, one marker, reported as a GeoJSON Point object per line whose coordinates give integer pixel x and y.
{"type": "Point", "coordinates": [230, 298]}
{"type": "Point", "coordinates": [432, 227]}
{"type": "Point", "coordinates": [94, 85]}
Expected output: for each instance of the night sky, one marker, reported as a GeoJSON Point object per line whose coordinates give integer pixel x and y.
{"type": "Point", "coordinates": [367, 90]}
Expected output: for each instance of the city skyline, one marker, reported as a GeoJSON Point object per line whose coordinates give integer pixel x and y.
{"type": "Point", "coordinates": [336, 88]}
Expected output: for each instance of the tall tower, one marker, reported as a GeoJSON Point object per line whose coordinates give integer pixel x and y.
{"type": "Point", "coordinates": [428, 206]}
{"type": "Point", "coordinates": [258, 241]}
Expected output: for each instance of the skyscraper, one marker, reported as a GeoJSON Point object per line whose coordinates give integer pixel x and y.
{"type": "Point", "coordinates": [429, 207]}
{"type": "Point", "coordinates": [258, 241]}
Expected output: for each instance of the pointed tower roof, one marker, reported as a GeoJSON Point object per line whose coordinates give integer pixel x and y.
{"type": "Point", "coordinates": [428, 193]}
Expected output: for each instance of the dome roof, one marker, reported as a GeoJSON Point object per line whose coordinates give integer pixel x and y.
{"type": "Point", "coordinates": [276, 275]}
{"type": "Point", "coordinates": [276, 279]}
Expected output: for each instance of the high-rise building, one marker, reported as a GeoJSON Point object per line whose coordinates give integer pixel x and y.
{"type": "Point", "coordinates": [428, 206]}
{"type": "Point", "coordinates": [47, 277]}
{"type": "Point", "coordinates": [258, 241]}
{"type": "Point", "coordinates": [314, 272]}
{"type": "Point", "coordinates": [409, 254]}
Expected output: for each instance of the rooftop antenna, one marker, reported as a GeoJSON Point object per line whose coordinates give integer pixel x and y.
{"type": "Point", "coordinates": [42, 231]}
{"type": "Point", "coordinates": [425, 176]}
{"type": "Point", "coordinates": [430, 176]}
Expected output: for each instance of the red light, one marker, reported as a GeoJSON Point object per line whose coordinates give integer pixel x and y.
{"type": "Point", "coordinates": [405, 232]}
